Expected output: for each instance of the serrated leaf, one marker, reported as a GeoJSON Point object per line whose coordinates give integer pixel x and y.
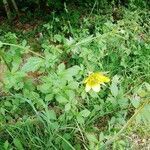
{"type": "Point", "coordinates": [85, 113]}
{"type": "Point", "coordinates": [61, 99]}
{"type": "Point", "coordinates": [67, 107]}
{"type": "Point", "coordinates": [70, 94]}
{"type": "Point", "coordinates": [73, 85]}
{"type": "Point", "coordinates": [123, 102]}
{"type": "Point", "coordinates": [73, 70]}
{"type": "Point", "coordinates": [44, 88]}
{"type": "Point", "coordinates": [92, 137]}
{"type": "Point", "coordinates": [80, 119]}
{"type": "Point", "coordinates": [49, 97]}
{"type": "Point", "coordinates": [61, 68]}
{"type": "Point", "coordinates": [33, 64]}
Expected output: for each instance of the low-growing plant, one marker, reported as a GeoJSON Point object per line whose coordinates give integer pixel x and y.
{"type": "Point", "coordinates": [82, 90]}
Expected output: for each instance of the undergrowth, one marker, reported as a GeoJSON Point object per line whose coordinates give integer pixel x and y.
{"type": "Point", "coordinates": [43, 102]}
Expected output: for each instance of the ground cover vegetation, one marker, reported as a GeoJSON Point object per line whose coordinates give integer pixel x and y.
{"type": "Point", "coordinates": [74, 75]}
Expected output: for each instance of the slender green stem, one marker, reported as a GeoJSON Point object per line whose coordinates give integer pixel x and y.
{"type": "Point", "coordinates": [66, 142]}
{"type": "Point", "coordinates": [126, 125]}
{"type": "Point", "coordinates": [90, 39]}
{"type": "Point", "coordinates": [15, 6]}
{"type": "Point", "coordinates": [21, 47]}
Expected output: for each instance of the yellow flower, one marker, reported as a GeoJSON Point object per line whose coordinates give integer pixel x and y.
{"type": "Point", "coordinates": [94, 80]}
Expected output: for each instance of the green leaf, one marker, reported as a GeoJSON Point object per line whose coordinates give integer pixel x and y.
{"type": "Point", "coordinates": [18, 144]}
{"type": "Point", "coordinates": [51, 115]}
{"type": "Point", "coordinates": [61, 99]}
{"type": "Point", "coordinates": [67, 107]}
{"type": "Point", "coordinates": [147, 85]}
{"type": "Point", "coordinates": [45, 88]}
{"type": "Point", "coordinates": [114, 86]}
{"type": "Point", "coordinates": [49, 97]}
{"type": "Point", "coordinates": [85, 113]}
{"type": "Point", "coordinates": [70, 94]}
{"type": "Point", "coordinates": [135, 101]}
{"type": "Point", "coordinates": [58, 37]}
{"type": "Point", "coordinates": [73, 70]}
{"type": "Point", "coordinates": [143, 117]}
{"type": "Point", "coordinates": [16, 63]}
{"type": "Point", "coordinates": [33, 64]}
{"type": "Point", "coordinates": [114, 89]}
{"type": "Point", "coordinates": [92, 137]}
{"type": "Point", "coordinates": [61, 68]}
{"type": "Point", "coordinates": [123, 102]}
{"type": "Point", "coordinates": [80, 119]}
{"type": "Point", "coordinates": [6, 145]}
{"type": "Point", "coordinates": [70, 72]}
{"type": "Point", "coordinates": [73, 85]}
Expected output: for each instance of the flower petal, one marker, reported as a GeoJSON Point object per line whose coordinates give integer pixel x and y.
{"type": "Point", "coordinates": [85, 81]}
{"type": "Point", "coordinates": [106, 79]}
{"type": "Point", "coordinates": [96, 88]}
{"type": "Point", "coordinates": [87, 88]}
{"type": "Point", "coordinates": [103, 78]}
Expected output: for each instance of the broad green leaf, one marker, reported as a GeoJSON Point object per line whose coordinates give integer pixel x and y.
{"type": "Point", "coordinates": [16, 63]}
{"type": "Point", "coordinates": [58, 37]}
{"type": "Point", "coordinates": [135, 101]}
{"type": "Point", "coordinates": [45, 88]}
{"type": "Point", "coordinates": [70, 72]}
{"type": "Point", "coordinates": [70, 94]}
{"type": "Point", "coordinates": [114, 86]}
{"type": "Point", "coordinates": [80, 119]}
{"type": "Point", "coordinates": [123, 102]}
{"type": "Point", "coordinates": [49, 97]}
{"type": "Point", "coordinates": [92, 137]}
{"type": "Point", "coordinates": [85, 113]}
{"type": "Point", "coordinates": [67, 107]}
{"type": "Point", "coordinates": [61, 68]}
{"type": "Point", "coordinates": [73, 85]}
{"type": "Point", "coordinates": [61, 99]}
{"type": "Point", "coordinates": [51, 114]}
{"type": "Point", "coordinates": [73, 70]}
{"type": "Point", "coordinates": [32, 64]}
{"type": "Point", "coordinates": [114, 89]}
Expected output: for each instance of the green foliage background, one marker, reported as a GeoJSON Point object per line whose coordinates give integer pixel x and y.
{"type": "Point", "coordinates": [45, 57]}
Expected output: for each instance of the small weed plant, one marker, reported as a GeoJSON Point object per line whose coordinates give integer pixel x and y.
{"type": "Point", "coordinates": [76, 84]}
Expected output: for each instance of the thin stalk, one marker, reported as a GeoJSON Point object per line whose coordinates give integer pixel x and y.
{"type": "Point", "coordinates": [8, 12]}
{"type": "Point", "coordinates": [126, 125]}
{"type": "Point", "coordinates": [92, 10]}
{"type": "Point", "coordinates": [66, 142]}
{"type": "Point", "coordinates": [9, 44]}
{"type": "Point", "coordinates": [15, 6]}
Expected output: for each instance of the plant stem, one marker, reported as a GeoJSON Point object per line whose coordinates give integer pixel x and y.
{"type": "Point", "coordinates": [7, 9]}
{"type": "Point", "coordinates": [126, 125]}
{"type": "Point", "coordinates": [15, 6]}
{"type": "Point", "coordinates": [9, 44]}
